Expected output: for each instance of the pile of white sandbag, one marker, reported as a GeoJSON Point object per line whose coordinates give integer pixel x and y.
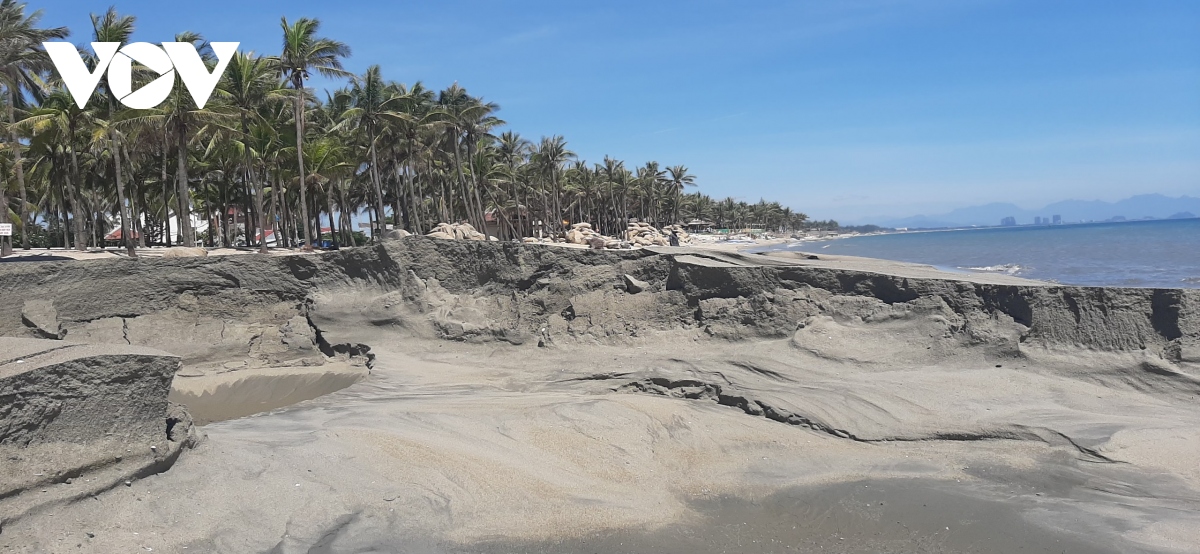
{"type": "Point", "coordinates": [457, 231]}
{"type": "Point", "coordinates": [684, 236]}
{"type": "Point", "coordinates": [644, 234]}
{"type": "Point", "coordinates": [582, 233]}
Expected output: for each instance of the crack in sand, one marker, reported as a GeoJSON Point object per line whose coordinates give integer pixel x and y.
{"type": "Point", "coordinates": [692, 389]}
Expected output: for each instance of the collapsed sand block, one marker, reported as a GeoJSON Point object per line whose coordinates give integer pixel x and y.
{"type": "Point", "coordinates": [185, 252]}
{"type": "Point", "coordinates": [73, 408]}
{"type": "Point", "coordinates": [73, 392]}
{"type": "Point", "coordinates": [634, 285]}
{"type": "Point", "coordinates": [395, 234]}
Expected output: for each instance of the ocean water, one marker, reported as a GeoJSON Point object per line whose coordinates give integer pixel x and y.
{"type": "Point", "coordinates": [1161, 253]}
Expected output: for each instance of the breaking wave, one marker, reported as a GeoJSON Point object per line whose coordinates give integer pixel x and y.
{"type": "Point", "coordinates": [1007, 269]}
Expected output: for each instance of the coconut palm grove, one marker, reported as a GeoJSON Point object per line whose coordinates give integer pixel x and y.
{"type": "Point", "coordinates": [269, 161]}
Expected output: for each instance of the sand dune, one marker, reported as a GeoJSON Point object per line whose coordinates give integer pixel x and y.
{"type": "Point", "coordinates": [522, 398]}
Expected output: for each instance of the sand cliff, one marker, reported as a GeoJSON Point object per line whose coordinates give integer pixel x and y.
{"type": "Point", "coordinates": [608, 391]}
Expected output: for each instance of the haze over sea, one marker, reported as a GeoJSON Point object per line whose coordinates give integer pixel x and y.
{"type": "Point", "coordinates": [1158, 253]}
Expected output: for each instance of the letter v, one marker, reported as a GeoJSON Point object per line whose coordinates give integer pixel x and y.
{"type": "Point", "coordinates": [80, 82]}
{"type": "Point", "coordinates": [191, 68]}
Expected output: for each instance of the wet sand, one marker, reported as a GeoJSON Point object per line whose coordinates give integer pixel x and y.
{"type": "Point", "coordinates": [221, 397]}
{"type": "Point", "coordinates": [861, 517]}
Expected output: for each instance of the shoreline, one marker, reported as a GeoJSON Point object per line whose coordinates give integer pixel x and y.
{"type": "Point", "coordinates": [751, 248]}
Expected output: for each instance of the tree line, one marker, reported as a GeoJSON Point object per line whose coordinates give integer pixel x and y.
{"type": "Point", "coordinates": [292, 162]}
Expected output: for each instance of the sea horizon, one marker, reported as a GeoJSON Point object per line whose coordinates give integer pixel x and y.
{"type": "Point", "coordinates": [1161, 253]}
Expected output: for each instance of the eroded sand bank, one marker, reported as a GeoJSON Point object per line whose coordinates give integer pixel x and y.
{"type": "Point", "coordinates": [733, 402]}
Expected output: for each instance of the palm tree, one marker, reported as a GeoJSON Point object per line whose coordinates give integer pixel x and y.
{"type": "Point", "coordinates": [679, 178]}
{"type": "Point", "coordinates": [22, 59]}
{"type": "Point", "coordinates": [250, 83]}
{"type": "Point", "coordinates": [180, 119]}
{"type": "Point", "coordinates": [476, 123]}
{"type": "Point", "coordinates": [304, 52]}
{"type": "Point", "coordinates": [112, 27]}
{"type": "Point", "coordinates": [419, 121]}
{"type": "Point", "coordinates": [372, 104]}
{"type": "Point", "coordinates": [60, 117]}
{"type": "Point", "coordinates": [551, 155]}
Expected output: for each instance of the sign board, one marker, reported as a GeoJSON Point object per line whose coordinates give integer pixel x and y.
{"type": "Point", "coordinates": [5, 229]}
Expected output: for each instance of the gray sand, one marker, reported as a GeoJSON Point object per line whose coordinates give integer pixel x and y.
{"type": "Point", "coordinates": [732, 406]}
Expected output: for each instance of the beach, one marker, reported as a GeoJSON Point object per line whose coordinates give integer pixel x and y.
{"type": "Point", "coordinates": [469, 396]}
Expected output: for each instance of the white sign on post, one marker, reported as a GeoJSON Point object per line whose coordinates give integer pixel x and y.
{"type": "Point", "coordinates": [5, 229]}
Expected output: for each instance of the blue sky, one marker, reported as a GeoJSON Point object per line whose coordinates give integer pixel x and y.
{"type": "Point", "coordinates": [850, 109]}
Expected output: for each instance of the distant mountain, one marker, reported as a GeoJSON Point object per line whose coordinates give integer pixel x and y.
{"type": "Point", "coordinates": [1071, 211]}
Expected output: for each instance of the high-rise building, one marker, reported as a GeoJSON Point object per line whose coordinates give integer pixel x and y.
{"type": "Point", "coordinates": [1057, 220]}
{"type": "Point", "coordinates": [1037, 220]}
{"type": "Point", "coordinates": [1008, 221]}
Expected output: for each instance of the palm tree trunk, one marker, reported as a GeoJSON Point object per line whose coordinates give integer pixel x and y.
{"type": "Point", "coordinates": [332, 227]}
{"type": "Point", "coordinates": [262, 215]}
{"type": "Point", "coordinates": [447, 199]}
{"type": "Point", "coordinates": [226, 225]}
{"type": "Point", "coordinates": [137, 202]}
{"type": "Point", "coordinates": [370, 219]}
{"type": "Point", "coordinates": [125, 220]}
{"type": "Point", "coordinates": [347, 232]}
{"type": "Point", "coordinates": [379, 215]}
{"type": "Point", "coordinates": [558, 213]}
{"type": "Point", "coordinates": [208, 217]}
{"type": "Point", "coordinates": [462, 181]}
{"type": "Point", "coordinates": [166, 201]}
{"type": "Point", "coordinates": [186, 232]}
{"type": "Point", "coordinates": [251, 216]}
{"type": "Point", "coordinates": [299, 110]}
{"type": "Point", "coordinates": [414, 220]}
{"type": "Point", "coordinates": [278, 225]}
{"type": "Point", "coordinates": [5, 241]}
{"type": "Point", "coordinates": [64, 200]}
{"type": "Point", "coordinates": [70, 204]}
{"type": "Point", "coordinates": [95, 236]}
{"type": "Point", "coordinates": [76, 187]}
{"type": "Point", "coordinates": [20, 167]}
{"type": "Point", "coordinates": [398, 220]}
{"type": "Point", "coordinates": [481, 222]}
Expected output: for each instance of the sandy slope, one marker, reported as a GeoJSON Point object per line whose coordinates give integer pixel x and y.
{"type": "Point", "coordinates": [736, 404]}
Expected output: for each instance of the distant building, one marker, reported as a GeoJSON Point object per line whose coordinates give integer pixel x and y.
{"type": "Point", "coordinates": [1008, 221]}
{"type": "Point", "coordinates": [1057, 220]}
{"type": "Point", "coordinates": [1037, 220]}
